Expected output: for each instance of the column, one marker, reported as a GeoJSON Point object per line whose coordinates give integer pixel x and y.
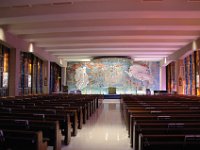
{"type": "Point", "coordinates": [162, 78]}
{"type": "Point", "coordinates": [46, 76]}
{"type": "Point", "coordinates": [63, 77]}
{"type": "Point", "coordinates": [14, 72]}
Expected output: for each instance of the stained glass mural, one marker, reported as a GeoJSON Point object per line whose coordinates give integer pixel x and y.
{"type": "Point", "coordinates": [30, 74]}
{"type": "Point", "coordinates": [191, 74]}
{"type": "Point", "coordinates": [4, 70]}
{"type": "Point", "coordinates": [97, 76]}
{"type": "Point", "coordinates": [197, 70]}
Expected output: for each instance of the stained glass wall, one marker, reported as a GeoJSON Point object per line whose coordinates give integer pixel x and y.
{"type": "Point", "coordinates": [197, 70]}
{"type": "Point", "coordinates": [31, 78]}
{"type": "Point", "coordinates": [97, 76]}
{"type": "Point", "coordinates": [190, 74]}
{"type": "Point", "coordinates": [4, 70]}
{"type": "Point", "coordinates": [37, 83]}
{"type": "Point", "coordinates": [55, 77]}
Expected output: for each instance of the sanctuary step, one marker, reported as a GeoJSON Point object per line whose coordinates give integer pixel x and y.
{"type": "Point", "coordinates": [112, 96]}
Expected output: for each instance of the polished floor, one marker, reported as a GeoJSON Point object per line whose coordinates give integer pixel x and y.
{"type": "Point", "coordinates": [105, 130]}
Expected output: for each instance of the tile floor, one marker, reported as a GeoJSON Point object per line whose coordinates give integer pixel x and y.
{"type": "Point", "coordinates": [104, 130]}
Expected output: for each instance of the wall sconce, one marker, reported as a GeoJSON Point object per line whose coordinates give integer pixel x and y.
{"type": "Point", "coordinates": [194, 46]}
{"type": "Point", "coordinates": [2, 34]}
{"type": "Point", "coordinates": [61, 61]}
{"type": "Point", "coordinates": [165, 60]}
{"type": "Point", "coordinates": [31, 48]}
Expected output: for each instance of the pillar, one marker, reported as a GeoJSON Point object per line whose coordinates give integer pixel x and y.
{"type": "Point", "coordinates": [63, 77]}
{"type": "Point", "coordinates": [162, 78]}
{"type": "Point", "coordinates": [14, 72]}
{"type": "Point", "coordinates": [46, 77]}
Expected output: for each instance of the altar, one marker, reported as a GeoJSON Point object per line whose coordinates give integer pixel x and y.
{"type": "Point", "coordinates": [112, 90]}
{"type": "Point", "coordinates": [112, 94]}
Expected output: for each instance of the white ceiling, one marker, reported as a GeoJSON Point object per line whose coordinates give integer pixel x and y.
{"type": "Point", "coordinates": [77, 29]}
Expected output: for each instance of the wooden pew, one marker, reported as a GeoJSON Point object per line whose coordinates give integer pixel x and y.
{"type": "Point", "coordinates": [51, 107]}
{"type": "Point", "coordinates": [167, 112]}
{"type": "Point", "coordinates": [156, 110]}
{"type": "Point", "coordinates": [173, 121]}
{"type": "Point", "coordinates": [161, 119]}
{"type": "Point", "coordinates": [164, 128]}
{"type": "Point", "coordinates": [64, 123]}
{"type": "Point", "coordinates": [164, 131]}
{"type": "Point", "coordinates": [50, 129]}
{"type": "Point", "coordinates": [169, 142]}
{"type": "Point", "coordinates": [21, 140]}
{"type": "Point", "coordinates": [47, 112]}
{"type": "Point", "coordinates": [48, 104]}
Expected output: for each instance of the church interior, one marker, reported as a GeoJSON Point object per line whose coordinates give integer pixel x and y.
{"type": "Point", "coordinates": [100, 74]}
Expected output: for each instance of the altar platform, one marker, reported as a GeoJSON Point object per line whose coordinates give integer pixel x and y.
{"type": "Point", "coordinates": [112, 96]}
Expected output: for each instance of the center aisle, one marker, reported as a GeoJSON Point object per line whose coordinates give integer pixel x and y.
{"type": "Point", "coordinates": [104, 130]}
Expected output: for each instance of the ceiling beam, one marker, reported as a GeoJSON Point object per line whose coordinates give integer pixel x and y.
{"type": "Point", "coordinates": [105, 28]}
{"type": "Point", "coordinates": [108, 37]}
{"type": "Point", "coordinates": [113, 33]}
{"type": "Point", "coordinates": [112, 49]}
{"type": "Point", "coordinates": [15, 18]}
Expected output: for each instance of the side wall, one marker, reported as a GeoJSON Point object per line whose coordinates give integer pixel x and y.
{"type": "Point", "coordinates": [17, 45]}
